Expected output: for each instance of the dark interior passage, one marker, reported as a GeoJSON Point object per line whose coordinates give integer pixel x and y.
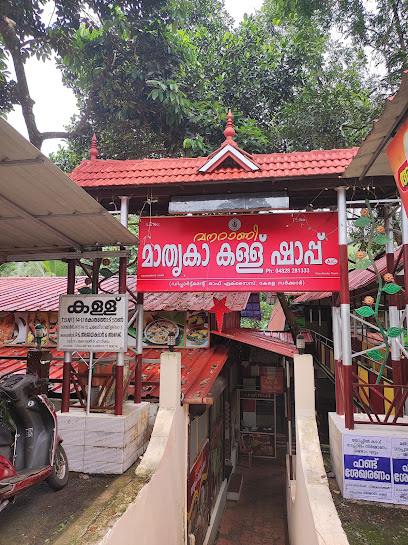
{"type": "Point", "coordinates": [259, 516]}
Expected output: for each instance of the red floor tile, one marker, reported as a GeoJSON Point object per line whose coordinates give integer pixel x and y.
{"type": "Point", "coordinates": [259, 516]}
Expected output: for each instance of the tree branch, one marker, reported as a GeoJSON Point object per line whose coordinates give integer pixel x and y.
{"type": "Point", "coordinates": [12, 44]}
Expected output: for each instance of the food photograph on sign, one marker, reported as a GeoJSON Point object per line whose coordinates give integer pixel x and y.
{"type": "Point", "coordinates": [270, 252]}
{"type": "Point", "coordinates": [197, 329]}
{"type": "Point", "coordinates": [158, 325]}
{"type": "Point", "coordinates": [13, 328]}
{"type": "Point", "coordinates": [35, 318]}
{"type": "Point", "coordinates": [191, 329]}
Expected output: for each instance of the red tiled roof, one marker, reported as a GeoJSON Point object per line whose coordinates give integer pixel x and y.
{"type": "Point", "coordinates": [357, 279]}
{"type": "Point", "coordinates": [100, 173]}
{"type": "Point", "coordinates": [21, 294]}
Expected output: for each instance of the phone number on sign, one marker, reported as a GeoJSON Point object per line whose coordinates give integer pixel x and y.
{"type": "Point", "coordinates": [288, 270]}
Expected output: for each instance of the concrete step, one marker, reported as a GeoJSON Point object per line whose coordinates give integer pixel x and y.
{"type": "Point", "coordinates": [234, 486]}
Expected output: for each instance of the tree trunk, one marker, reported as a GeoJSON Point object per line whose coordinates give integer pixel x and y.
{"type": "Point", "coordinates": [12, 43]}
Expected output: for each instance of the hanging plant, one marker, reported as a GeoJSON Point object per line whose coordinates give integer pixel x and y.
{"type": "Point", "coordinates": [376, 234]}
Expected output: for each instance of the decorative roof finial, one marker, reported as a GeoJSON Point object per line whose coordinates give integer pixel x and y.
{"type": "Point", "coordinates": [229, 130]}
{"type": "Point", "coordinates": [93, 152]}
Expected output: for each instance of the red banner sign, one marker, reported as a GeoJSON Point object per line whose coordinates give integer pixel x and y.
{"type": "Point", "coordinates": [397, 152]}
{"type": "Point", "coordinates": [272, 382]}
{"type": "Point", "coordinates": [262, 252]}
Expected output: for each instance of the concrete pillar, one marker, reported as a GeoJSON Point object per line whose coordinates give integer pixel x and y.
{"type": "Point", "coordinates": [304, 383]}
{"type": "Point", "coordinates": [170, 380]}
{"type": "Point", "coordinates": [345, 310]}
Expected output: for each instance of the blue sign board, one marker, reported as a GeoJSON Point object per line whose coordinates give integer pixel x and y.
{"type": "Point", "coordinates": [375, 468]}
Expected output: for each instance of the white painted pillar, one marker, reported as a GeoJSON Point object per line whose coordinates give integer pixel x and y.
{"type": "Point", "coordinates": [304, 383]}
{"type": "Point", "coordinates": [170, 380]}
{"type": "Point", "coordinates": [124, 210]}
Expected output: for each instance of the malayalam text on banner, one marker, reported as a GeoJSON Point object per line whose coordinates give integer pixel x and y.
{"type": "Point", "coordinates": [93, 323]}
{"type": "Point", "coordinates": [259, 252]}
{"type": "Point", "coordinates": [376, 468]}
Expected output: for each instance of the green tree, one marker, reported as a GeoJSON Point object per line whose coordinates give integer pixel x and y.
{"type": "Point", "coordinates": [99, 34]}
{"type": "Point", "coordinates": [381, 25]}
{"type": "Point", "coordinates": [289, 85]}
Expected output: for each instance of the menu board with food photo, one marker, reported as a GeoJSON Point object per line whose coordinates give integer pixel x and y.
{"type": "Point", "coordinates": [197, 329]}
{"type": "Point", "coordinates": [13, 328]}
{"type": "Point", "coordinates": [158, 325]}
{"type": "Point", "coordinates": [35, 318]}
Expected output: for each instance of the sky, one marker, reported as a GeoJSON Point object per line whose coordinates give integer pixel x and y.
{"type": "Point", "coordinates": [55, 104]}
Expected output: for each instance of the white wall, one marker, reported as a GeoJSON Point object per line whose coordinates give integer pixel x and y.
{"type": "Point", "coordinates": [312, 516]}
{"type": "Point", "coordinates": [158, 514]}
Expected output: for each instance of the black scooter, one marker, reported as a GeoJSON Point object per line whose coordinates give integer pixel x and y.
{"type": "Point", "coordinates": [30, 447]}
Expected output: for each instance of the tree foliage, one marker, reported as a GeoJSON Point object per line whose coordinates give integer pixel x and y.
{"type": "Point", "coordinates": [381, 25]}
{"type": "Point", "coordinates": [79, 32]}
{"type": "Point", "coordinates": [156, 77]}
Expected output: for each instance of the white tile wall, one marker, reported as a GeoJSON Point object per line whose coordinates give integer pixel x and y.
{"type": "Point", "coordinates": [105, 443]}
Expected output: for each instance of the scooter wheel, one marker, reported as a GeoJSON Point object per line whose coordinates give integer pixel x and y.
{"type": "Point", "coordinates": [59, 474]}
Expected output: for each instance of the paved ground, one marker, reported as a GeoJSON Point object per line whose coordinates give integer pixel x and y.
{"type": "Point", "coordinates": [259, 516]}
{"type": "Point", "coordinates": [42, 516]}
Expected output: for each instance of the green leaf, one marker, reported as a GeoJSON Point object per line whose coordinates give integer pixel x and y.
{"type": "Point", "coordinates": [375, 355]}
{"type": "Point", "coordinates": [85, 290]}
{"type": "Point", "coordinates": [365, 311]}
{"type": "Point", "coordinates": [107, 273]}
{"type": "Point", "coordinates": [362, 221]}
{"type": "Point", "coordinates": [155, 94]}
{"type": "Point", "coordinates": [391, 288]}
{"type": "Point", "coordinates": [381, 239]}
{"type": "Point", "coordinates": [362, 264]}
{"type": "Point", "coordinates": [395, 332]}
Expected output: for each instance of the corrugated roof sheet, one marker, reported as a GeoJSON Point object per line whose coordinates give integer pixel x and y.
{"type": "Point", "coordinates": [199, 369]}
{"type": "Point", "coordinates": [42, 293]}
{"type": "Point", "coordinates": [383, 130]}
{"type": "Point", "coordinates": [261, 340]}
{"type": "Point", "coordinates": [193, 301]}
{"type": "Point", "coordinates": [278, 319]}
{"type": "Point", "coordinates": [42, 209]}
{"type": "Point", "coordinates": [8, 365]}
{"type": "Point", "coordinates": [357, 279]}
{"type": "Point", "coordinates": [100, 173]}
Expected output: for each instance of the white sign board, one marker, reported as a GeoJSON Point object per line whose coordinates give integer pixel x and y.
{"type": "Point", "coordinates": [93, 323]}
{"type": "Point", "coordinates": [400, 469]}
{"type": "Point", "coordinates": [375, 468]}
